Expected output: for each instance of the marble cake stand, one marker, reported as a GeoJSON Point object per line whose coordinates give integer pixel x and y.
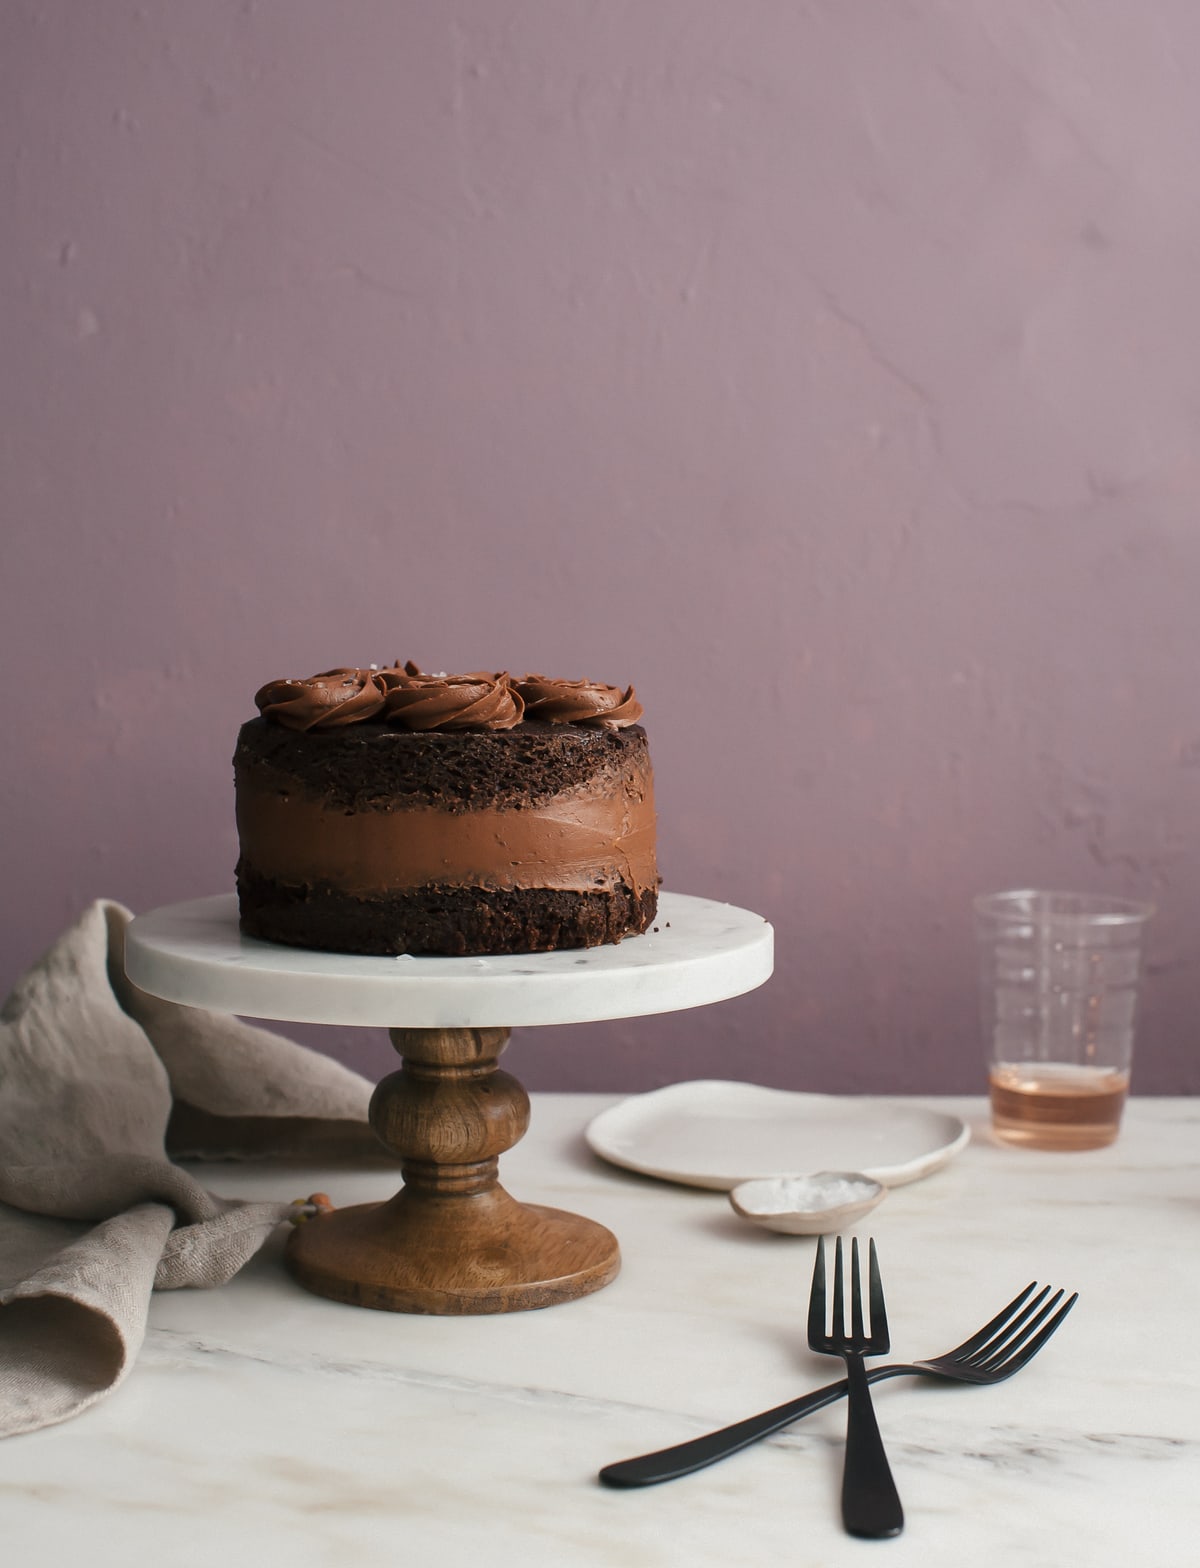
{"type": "Point", "coordinates": [452, 1240]}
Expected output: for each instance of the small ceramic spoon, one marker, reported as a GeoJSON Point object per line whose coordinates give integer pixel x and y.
{"type": "Point", "coordinates": [815, 1205]}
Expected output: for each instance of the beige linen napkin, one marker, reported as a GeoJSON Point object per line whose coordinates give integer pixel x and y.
{"type": "Point", "coordinates": [100, 1085]}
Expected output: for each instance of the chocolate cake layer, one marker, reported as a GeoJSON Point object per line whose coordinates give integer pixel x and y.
{"type": "Point", "coordinates": [433, 920]}
{"type": "Point", "coordinates": [374, 764]}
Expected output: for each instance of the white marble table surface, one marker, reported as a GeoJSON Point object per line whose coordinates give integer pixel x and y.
{"type": "Point", "coordinates": [266, 1426]}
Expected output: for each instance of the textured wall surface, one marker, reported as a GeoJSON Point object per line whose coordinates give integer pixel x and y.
{"type": "Point", "coordinates": [828, 370]}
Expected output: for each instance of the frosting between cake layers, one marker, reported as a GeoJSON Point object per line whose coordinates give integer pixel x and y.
{"type": "Point", "coordinates": [580, 841]}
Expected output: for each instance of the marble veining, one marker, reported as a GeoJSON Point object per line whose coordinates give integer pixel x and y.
{"type": "Point", "coordinates": [263, 1425]}
{"type": "Point", "coordinates": [698, 951]}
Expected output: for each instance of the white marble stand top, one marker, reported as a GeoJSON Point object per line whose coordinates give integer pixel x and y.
{"type": "Point", "coordinates": [263, 1425]}
{"type": "Point", "coordinates": [697, 952]}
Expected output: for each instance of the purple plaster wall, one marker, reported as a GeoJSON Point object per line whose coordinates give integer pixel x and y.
{"type": "Point", "coordinates": [830, 371]}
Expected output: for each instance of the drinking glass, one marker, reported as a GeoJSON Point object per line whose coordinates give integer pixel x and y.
{"type": "Point", "coordinates": [1059, 975]}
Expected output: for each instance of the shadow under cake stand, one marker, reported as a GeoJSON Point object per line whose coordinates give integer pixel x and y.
{"type": "Point", "coordinates": [452, 1240]}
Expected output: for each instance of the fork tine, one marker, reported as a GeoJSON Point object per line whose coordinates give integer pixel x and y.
{"type": "Point", "coordinates": [1027, 1323]}
{"type": "Point", "coordinates": [857, 1331]}
{"type": "Point", "coordinates": [879, 1323]}
{"type": "Point", "coordinates": [978, 1340]}
{"type": "Point", "coordinates": [980, 1355]}
{"type": "Point", "coordinates": [1026, 1352]}
{"type": "Point", "coordinates": [816, 1297]}
{"type": "Point", "coordinates": [839, 1293]}
{"type": "Point", "coordinates": [1032, 1337]}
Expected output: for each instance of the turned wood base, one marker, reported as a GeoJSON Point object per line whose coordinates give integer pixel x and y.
{"type": "Point", "coordinates": [452, 1240]}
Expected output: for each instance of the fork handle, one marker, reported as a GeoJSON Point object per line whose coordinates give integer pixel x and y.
{"type": "Point", "coordinates": [870, 1501]}
{"type": "Point", "coordinates": [667, 1464]}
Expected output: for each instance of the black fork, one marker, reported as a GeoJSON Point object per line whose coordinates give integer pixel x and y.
{"type": "Point", "coordinates": [1004, 1345]}
{"type": "Point", "coordinates": [870, 1502]}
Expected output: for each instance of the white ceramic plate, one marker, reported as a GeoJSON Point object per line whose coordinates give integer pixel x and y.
{"type": "Point", "coordinates": [715, 1134]}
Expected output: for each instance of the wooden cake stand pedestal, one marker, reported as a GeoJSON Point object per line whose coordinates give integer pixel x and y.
{"type": "Point", "coordinates": [452, 1240]}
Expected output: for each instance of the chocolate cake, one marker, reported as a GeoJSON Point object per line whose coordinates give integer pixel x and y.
{"type": "Point", "coordinates": [386, 811]}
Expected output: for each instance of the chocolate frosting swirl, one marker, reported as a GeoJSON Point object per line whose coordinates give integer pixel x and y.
{"type": "Point", "coordinates": [451, 702]}
{"type": "Point", "coordinates": [579, 702]}
{"type": "Point", "coordinates": [323, 702]}
{"type": "Point", "coordinates": [412, 700]}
